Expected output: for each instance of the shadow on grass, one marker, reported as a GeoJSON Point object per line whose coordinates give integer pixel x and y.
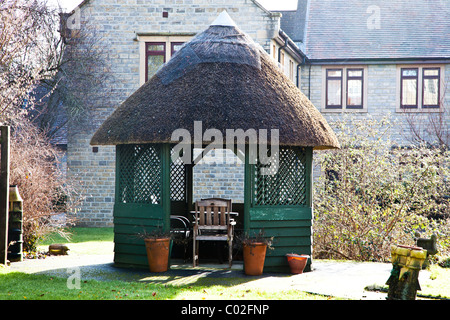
{"type": "Point", "coordinates": [105, 281]}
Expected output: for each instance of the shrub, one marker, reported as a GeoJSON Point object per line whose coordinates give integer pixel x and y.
{"type": "Point", "coordinates": [371, 194]}
{"type": "Point", "coordinates": [45, 192]}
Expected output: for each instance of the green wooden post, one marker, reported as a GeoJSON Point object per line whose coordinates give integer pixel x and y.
{"type": "Point", "coordinates": [165, 184]}
{"type": "Point", "coordinates": [309, 198]}
{"type": "Point", "coordinates": [247, 189]}
{"type": "Point", "coordinates": [189, 181]}
{"type": "Point", "coordinates": [4, 193]}
{"type": "Point", "coordinates": [309, 177]}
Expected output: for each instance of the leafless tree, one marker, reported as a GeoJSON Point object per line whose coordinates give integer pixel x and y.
{"type": "Point", "coordinates": [26, 56]}
{"type": "Point", "coordinates": [47, 71]}
{"type": "Point", "coordinates": [82, 70]}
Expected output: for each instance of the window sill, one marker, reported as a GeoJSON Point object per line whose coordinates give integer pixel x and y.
{"type": "Point", "coordinates": [419, 110]}
{"type": "Point", "coordinates": [345, 110]}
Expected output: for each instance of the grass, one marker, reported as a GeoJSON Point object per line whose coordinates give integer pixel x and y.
{"type": "Point", "coordinates": [23, 286]}
{"type": "Point", "coordinates": [83, 241]}
{"type": "Point", "coordinates": [80, 235]}
{"type": "Point", "coordinates": [439, 284]}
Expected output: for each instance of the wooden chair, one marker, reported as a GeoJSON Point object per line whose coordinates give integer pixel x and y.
{"type": "Point", "coordinates": [212, 223]}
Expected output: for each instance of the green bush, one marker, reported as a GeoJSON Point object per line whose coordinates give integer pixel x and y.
{"type": "Point", "coordinates": [445, 263]}
{"type": "Point", "coordinates": [371, 194]}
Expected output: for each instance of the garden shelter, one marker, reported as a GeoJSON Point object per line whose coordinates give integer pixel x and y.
{"type": "Point", "coordinates": [224, 80]}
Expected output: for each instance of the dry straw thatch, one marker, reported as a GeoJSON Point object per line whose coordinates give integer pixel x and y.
{"type": "Point", "coordinates": [225, 80]}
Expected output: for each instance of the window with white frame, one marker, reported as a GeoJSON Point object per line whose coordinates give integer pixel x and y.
{"type": "Point", "coordinates": [420, 88]}
{"type": "Point", "coordinates": [155, 51]}
{"type": "Point", "coordinates": [291, 70]}
{"type": "Point", "coordinates": [344, 88]}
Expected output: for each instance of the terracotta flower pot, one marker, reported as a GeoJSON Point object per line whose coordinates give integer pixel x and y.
{"type": "Point", "coordinates": [158, 254]}
{"type": "Point", "coordinates": [297, 263]}
{"type": "Point", "coordinates": [254, 256]}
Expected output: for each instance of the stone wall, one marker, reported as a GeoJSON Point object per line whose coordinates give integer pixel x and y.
{"type": "Point", "coordinates": [219, 175]}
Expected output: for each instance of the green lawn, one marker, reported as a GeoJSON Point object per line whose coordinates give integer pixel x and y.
{"type": "Point", "coordinates": [438, 285]}
{"type": "Point", "coordinates": [83, 241]}
{"type": "Point", "coordinates": [22, 286]}
{"type": "Point", "coordinates": [78, 235]}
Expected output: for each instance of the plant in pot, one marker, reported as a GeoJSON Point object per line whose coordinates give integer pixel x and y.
{"type": "Point", "coordinates": [157, 245]}
{"type": "Point", "coordinates": [254, 252]}
{"type": "Point", "coordinates": [297, 262]}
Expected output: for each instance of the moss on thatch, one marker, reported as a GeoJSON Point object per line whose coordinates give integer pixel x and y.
{"type": "Point", "coordinates": [223, 95]}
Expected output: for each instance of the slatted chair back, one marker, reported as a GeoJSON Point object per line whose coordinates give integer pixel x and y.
{"type": "Point", "coordinates": [220, 200]}
{"type": "Point", "coordinates": [212, 213]}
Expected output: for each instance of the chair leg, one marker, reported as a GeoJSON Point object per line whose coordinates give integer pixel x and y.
{"type": "Point", "coordinates": [197, 254]}
{"type": "Point", "coordinates": [230, 252]}
{"type": "Point", "coordinates": [194, 253]}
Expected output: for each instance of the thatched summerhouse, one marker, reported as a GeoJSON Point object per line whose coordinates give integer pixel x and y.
{"type": "Point", "coordinates": [226, 81]}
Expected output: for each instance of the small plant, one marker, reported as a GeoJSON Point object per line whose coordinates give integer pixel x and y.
{"type": "Point", "coordinates": [157, 233]}
{"type": "Point", "coordinates": [260, 237]}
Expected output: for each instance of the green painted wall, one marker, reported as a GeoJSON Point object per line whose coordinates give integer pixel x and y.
{"type": "Point", "coordinates": [291, 229]}
{"type": "Point", "coordinates": [129, 221]}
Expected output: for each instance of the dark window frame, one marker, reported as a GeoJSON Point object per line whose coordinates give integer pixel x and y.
{"type": "Point", "coordinates": [438, 78]}
{"type": "Point", "coordinates": [402, 77]}
{"type": "Point", "coordinates": [361, 106]}
{"type": "Point", "coordinates": [327, 78]}
{"type": "Point", "coordinates": [172, 45]}
{"type": "Point", "coordinates": [153, 53]}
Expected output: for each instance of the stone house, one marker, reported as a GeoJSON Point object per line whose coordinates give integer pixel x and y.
{"type": "Point", "coordinates": [364, 58]}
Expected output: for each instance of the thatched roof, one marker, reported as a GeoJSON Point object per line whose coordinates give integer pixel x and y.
{"type": "Point", "coordinates": [225, 80]}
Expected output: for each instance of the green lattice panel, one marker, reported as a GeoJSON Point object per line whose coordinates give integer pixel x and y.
{"type": "Point", "coordinates": [139, 174]}
{"type": "Point", "coordinates": [287, 185]}
{"type": "Point", "coordinates": [177, 180]}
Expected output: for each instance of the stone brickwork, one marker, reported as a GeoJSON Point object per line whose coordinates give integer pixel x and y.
{"type": "Point", "coordinates": [118, 22]}
{"type": "Point", "coordinates": [219, 175]}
